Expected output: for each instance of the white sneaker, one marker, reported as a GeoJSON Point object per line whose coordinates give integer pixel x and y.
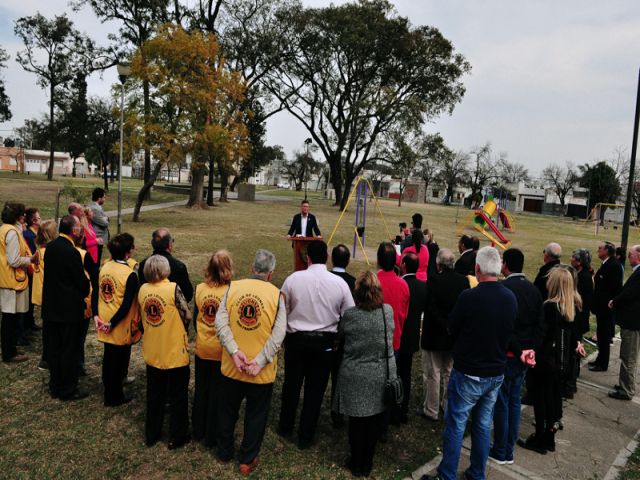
{"type": "Point", "coordinates": [501, 462]}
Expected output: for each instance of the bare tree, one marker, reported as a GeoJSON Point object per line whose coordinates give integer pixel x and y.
{"type": "Point", "coordinates": [453, 169]}
{"type": "Point", "coordinates": [560, 179]}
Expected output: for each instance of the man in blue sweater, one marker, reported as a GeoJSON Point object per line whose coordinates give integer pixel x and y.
{"type": "Point", "coordinates": [482, 323]}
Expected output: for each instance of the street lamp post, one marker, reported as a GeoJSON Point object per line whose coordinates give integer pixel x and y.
{"type": "Point", "coordinates": [632, 168]}
{"type": "Point", "coordinates": [124, 70]}
{"type": "Point", "coordinates": [307, 142]}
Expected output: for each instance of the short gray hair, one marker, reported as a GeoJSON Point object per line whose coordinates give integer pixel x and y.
{"type": "Point", "coordinates": [488, 260]}
{"type": "Point", "coordinates": [445, 258]}
{"type": "Point", "coordinates": [156, 268]}
{"type": "Point", "coordinates": [264, 262]}
{"type": "Point", "coordinates": [554, 250]}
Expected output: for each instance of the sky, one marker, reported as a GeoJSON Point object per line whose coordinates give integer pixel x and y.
{"type": "Point", "coordinates": [551, 81]}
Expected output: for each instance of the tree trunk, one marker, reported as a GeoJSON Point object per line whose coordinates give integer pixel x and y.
{"type": "Point", "coordinates": [147, 150]}
{"type": "Point", "coordinates": [105, 168]}
{"type": "Point", "coordinates": [73, 169]}
{"type": "Point", "coordinates": [51, 132]}
{"type": "Point", "coordinates": [400, 196]}
{"type": "Point", "coordinates": [197, 187]}
{"type": "Point", "coordinates": [449, 193]}
{"type": "Point", "coordinates": [113, 171]}
{"type": "Point", "coordinates": [348, 182]}
{"type": "Point", "coordinates": [144, 191]}
{"type": "Point", "coordinates": [234, 183]}
{"type": "Point", "coordinates": [336, 179]}
{"type": "Point", "coordinates": [210, 182]}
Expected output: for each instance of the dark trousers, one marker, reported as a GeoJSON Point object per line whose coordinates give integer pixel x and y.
{"type": "Point", "coordinates": [29, 321]}
{"type": "Point", "coordinates": [547, 401]}
{"type": "Point", "coordinates": [171, 385]}
{"type": "Point", "coordinates": [255, 418]}
{"type": "Point", "coordinates": [305, 361]}
{"type": "Point", "coordinates": [404, 363]}
{"type": "Point", "coordinates": [9, 335]}
{"type": "Point", "coordinates": [363, 436]}
{"type": "Point", "coordinates": [81, 342]}
{"type": "Point", "coordinates": [204, 415]}
{"type": "Point", "coordinates": [63, 358]}
{"type": "Point", "coordinates": [605, 330]}
{"type": "Point", "coordinates": [100, 254]}
{"type": "Point", "coordinates": [336, 418]}
{"type": "Point", "coordinates": [115, 363]}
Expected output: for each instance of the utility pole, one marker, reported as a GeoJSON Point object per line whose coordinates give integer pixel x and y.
{"type": "Point", "coordinates": [632, 167]}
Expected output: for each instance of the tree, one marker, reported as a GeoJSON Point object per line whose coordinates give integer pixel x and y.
{"type": "Point", "coordinates": [348, 73]}
{"type": "Point", "coordinates": [9, 142]}
{"type": "Point", "coordinates": [560, 179]}
{"type": "Point", "coordinates": [34, 133]}
{"type": "Point", "coordinates": [139, 19]}
{"type": "Point", "coordinates": [510, 173]}
{"type": "Point", "coordinates": [481, 173]}
{"type": "Point", "coordinates": [602, 183]}
{"type": "Point", "coordinates": [5, 102]}
{"type": "Point", "coordinates": [400, 153]}
{"type": "Point", "coordinates": [194, 100]}
{"type": "Point", "coordinates": [300, 169]}
{"type": "Point", "coordinates": [433, 150]}
{"type": "Point", "coordinates": [453, 167]}
{"type": "Point", "coordinates": [74, 119]}
{"type": "Point", "coordinates": [103, 134]}
{"type": "Point", "coordinates": [65, 51]}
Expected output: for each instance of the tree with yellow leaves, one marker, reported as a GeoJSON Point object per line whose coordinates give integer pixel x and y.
{"type": "Point", "coordinates": [194, 106]}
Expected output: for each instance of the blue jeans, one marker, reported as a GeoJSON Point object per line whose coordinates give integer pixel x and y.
{"type": "Point", "coordinates": [506, 415]}
{"type": "Point", "coordinates": [468, 396]}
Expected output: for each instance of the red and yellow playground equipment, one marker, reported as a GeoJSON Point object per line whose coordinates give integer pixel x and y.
{"type": "Point", "coordinates": [482, 219]}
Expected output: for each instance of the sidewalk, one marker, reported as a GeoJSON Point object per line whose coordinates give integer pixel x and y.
{"type": "Point", "coordinates": [148, 208]}
{"type": "Point", "coordinates": [599, 434]}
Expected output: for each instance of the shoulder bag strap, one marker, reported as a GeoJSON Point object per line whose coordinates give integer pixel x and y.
{"type": "Point", "coordinates": [386, 342]}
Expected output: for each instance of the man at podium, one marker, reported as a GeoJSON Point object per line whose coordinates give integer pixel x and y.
{"type": "Point", "coordinates": [303, 223]}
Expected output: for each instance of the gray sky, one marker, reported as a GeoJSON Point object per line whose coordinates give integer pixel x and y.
{"type": "Point", "coordinates": [551, 81]}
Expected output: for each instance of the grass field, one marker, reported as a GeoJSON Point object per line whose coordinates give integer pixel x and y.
{"type": "Point", "coordinates": [43, 438]}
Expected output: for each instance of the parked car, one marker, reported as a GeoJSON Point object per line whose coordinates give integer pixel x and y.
{"type": "Point", "coordinates": [283, 185]}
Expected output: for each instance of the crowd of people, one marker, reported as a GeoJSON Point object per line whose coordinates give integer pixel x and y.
{"type": "Point", "coordinates": [482, 341]}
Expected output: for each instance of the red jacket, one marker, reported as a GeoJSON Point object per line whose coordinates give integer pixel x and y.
{"type": "Point", "coordinates": [396, 294]}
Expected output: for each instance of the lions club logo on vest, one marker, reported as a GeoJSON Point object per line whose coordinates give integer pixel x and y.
{"type": "Point", "coordinates": [153, 310]}
{"type": "Point", "coordinates": [209, 309]}
{"type": "Point", "coordinates": [249, 313]}
{"type": "Point", "coordinates": [107, 289]}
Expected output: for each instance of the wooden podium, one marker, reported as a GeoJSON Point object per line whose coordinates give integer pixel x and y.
{"type": "Point", "coordinates": [300, 252]}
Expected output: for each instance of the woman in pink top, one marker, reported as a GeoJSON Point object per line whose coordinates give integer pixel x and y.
{"type": "Point", "coordinates": [90, 237]}
{"type": "Point", "coordinates": [421, 251]}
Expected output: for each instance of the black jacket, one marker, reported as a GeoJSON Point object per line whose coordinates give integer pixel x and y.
{"type": "Point", "coordinates": [627, 303]}
{"type": "Point", "coordinates": [466, 264]}
{"type": "Point", "coordinates": [65, 285]}
{"type": "Point", "coordinates": [607, 284]}
{"type": "Point", "coordinates": [296, 226]}
{"type": "Point", "coordinates": [541, 278]}
{"type": "Point", "coordinates": [350, 279]}
{"type": "Point", "coordinates": [442, 292]}
{"type": "Point", "coordinates": [585, 289]}
{"type": "Point", "coordinates": [179, 274]}
{"type": "Point", "coordinates": [409, 341]}
{"type": "Point", "coordinates": [529, 321]}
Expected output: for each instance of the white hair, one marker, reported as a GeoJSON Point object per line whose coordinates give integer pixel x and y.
{"type": "Point", "coordinates": [488, 261]}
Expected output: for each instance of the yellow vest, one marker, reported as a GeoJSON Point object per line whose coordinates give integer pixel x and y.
{"type": "Point", "coordinates": [112, 283]}
{"type": "Point", "coordinates": [12, 278]}
{"type": "Point", "coordinates": [252, 305]}
{"type": "Point", "coordinates": [208, 300]}
{"type": "Point", "coordinates": [87, 301]}
{"type": "Point", "coordinates": [38, 279]}
{"type": "Point", "coordinates": [165, 344]}
{"type": "Point", "coordinates": [133, 264]}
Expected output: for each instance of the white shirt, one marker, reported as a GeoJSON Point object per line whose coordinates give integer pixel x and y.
{"type": "Point", "coordinates": [303, 224]}
{"type": "Point", "coordinates": [315, 300]}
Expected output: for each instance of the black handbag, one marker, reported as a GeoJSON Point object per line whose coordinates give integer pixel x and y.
{"type": "Point", "coordinates": [393, 389]}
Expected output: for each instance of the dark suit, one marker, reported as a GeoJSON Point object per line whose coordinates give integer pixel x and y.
{"type": "Point", "coordinates": [466, 264]}
{"type": "Point", "coordinates": [296, 226]}
{"type": "Point", "coordinates": [409, 341]}
{"type": "Point", "coordinates": [626, 306]}
{"type": "Point", "coordinates": [541, 278]}
{"type": "Point", "coordinates": [64, 290]}
{"type": "Point", "coordinates": [528, 327]}
{"type": "Point", "coordinates": [442, 293]}
{"type": "Point", "coordinates": [607, 284]}
{"type": "Point", "coordinates": [350, 279]}
{"type": "Point", "coordinates": [179, 274]}
{"type": "Point", "coordinates": [585, 289]}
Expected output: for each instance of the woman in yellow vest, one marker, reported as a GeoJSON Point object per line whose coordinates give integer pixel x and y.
{"type": "Point", "coordinates": [15, 259]}
{"type": "Point", "coordinates": [118, 318]}
{"type": "Point", "coordinates": [47, 232]}
{"type": "Point", "coordinates": [165, 347]}
{"type": "Point", "coordinates": [208, 296]}
{"type": "Point", "coordinates": [91, 302]}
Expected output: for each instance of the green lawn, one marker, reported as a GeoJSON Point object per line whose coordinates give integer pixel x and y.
{"type": "Point", "coordinates": [42, 438]}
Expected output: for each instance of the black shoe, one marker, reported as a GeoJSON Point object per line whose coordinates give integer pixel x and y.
{"type": "Point", "coordinates": [77, 395]}
{"type": "Point", "coordinates": [173, 444]}
{"type": "Point", "coordinates": [532, 443]}
{"type": "Point", "coordinates": [430, 477]}
{"type": "Point", "coordinates": [337, 420]}
{"type": "Point", "coordinates": [125, 399]}
{"type": "Point", "coordinates": [43, 365]}
{"type": "Point", "coordinates": [618, 395]}
{"type": "Point", "coordinates": [597, 368]}
{"type": "Point", "coordinates": [617, 387]}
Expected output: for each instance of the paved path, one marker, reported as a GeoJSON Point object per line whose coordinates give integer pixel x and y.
{"type": "Point", "coordinates": [599, 434]}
